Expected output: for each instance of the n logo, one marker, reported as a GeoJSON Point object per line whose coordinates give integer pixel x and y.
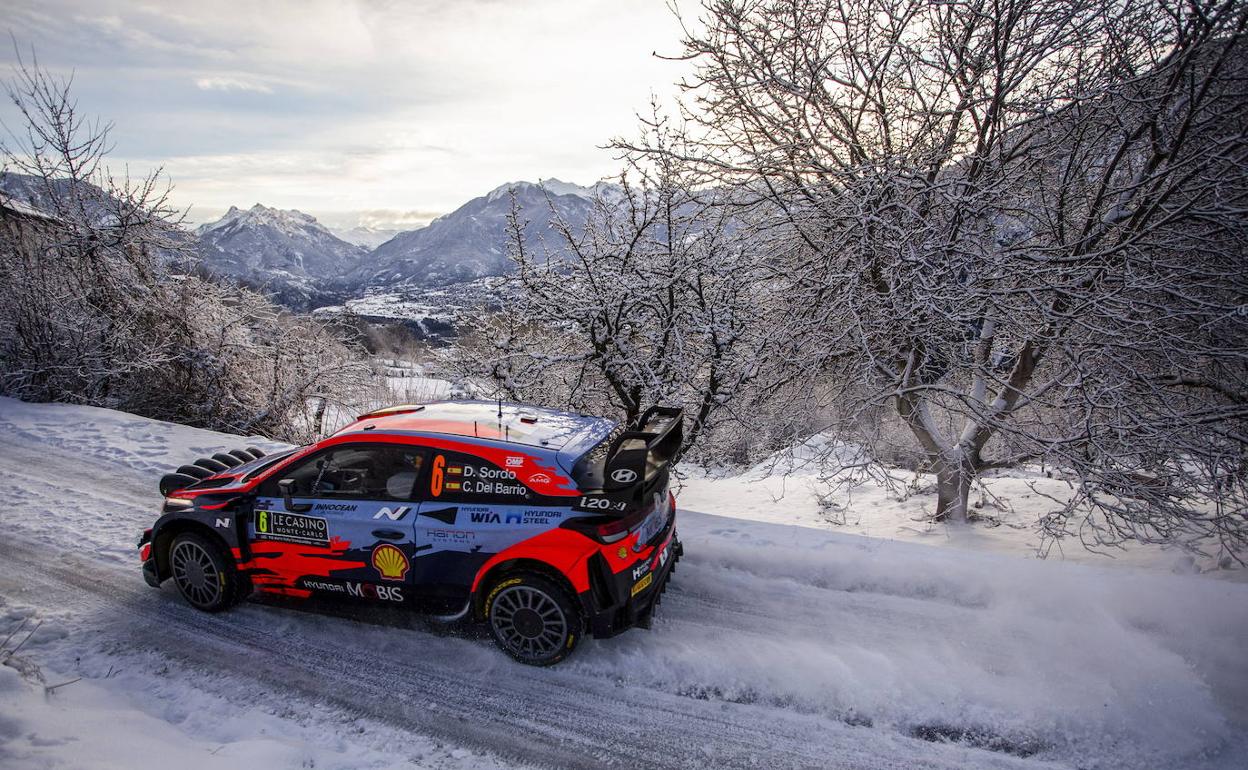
{"type": "Point", "coordinates": [392, 515]}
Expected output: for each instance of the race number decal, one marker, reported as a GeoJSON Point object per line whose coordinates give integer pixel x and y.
{"type": "Point", "coordinates": [435, 477]}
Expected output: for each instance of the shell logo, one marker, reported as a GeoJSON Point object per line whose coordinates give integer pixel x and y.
{"type": "Point", "coordinates": [390, 562]}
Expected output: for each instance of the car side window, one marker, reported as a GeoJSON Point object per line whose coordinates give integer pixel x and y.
{"type": "Point", "coordinates": [355, 472]}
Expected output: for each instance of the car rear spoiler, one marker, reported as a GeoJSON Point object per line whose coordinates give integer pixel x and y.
{"type": "Point", "coordinates": [636, 457]}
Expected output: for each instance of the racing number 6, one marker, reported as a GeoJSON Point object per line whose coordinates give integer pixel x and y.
{"type": "Point", "coordinates": [435, 477]}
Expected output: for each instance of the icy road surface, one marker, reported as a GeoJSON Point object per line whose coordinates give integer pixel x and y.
{"type": "Point", "coordinates": [776, 646]}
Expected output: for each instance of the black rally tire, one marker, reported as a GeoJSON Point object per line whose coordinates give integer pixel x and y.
{"type": "Point", "coordinates": [533, 619]}
{"type": "Point", "coordinates": [205, 576]}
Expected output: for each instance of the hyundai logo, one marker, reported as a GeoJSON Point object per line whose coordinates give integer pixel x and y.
{"type": "Point", "coordinates": [624, 475]}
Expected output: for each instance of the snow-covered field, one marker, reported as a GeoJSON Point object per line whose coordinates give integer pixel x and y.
{"type": "Point", "coordinates": [789, 490]}
{"type": "Point", "coordinates": [776, 646]}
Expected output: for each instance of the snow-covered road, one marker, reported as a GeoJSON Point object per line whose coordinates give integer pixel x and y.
{"type": "Point", "coordinates": [776, 646]}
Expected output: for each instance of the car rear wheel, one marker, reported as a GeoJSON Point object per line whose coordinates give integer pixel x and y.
{"type": "Point", "coordinates": [533, 619]}
{"type": "Point", "coordinates": [205, 577]}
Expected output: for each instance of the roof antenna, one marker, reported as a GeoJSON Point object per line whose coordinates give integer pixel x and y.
{"type": "Point", "coordinates": [474, 429]}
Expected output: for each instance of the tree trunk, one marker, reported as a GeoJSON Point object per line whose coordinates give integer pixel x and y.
{"type": "Point", "coordinates": [953, 489]}
{"type": "Point", "coordinates": [318, 421]}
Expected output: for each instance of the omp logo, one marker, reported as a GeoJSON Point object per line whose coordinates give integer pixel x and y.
{"type": "Point", "coordinates": [515, 462]}
{"type": "Point", "coordinates": [624, 475]}
{"type": "Point", "coordinates": [392, 514]}
{"type": "Point", "coordinates": [484, 518]}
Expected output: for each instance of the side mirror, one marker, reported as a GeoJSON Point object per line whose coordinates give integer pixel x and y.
{"type": "Point", "coordinates": [287, 487]}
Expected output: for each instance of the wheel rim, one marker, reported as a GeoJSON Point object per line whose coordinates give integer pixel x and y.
{"type": "Point", "coordinates": [529, 621]}
{"type": "Point", "coordinates": [195, 573]}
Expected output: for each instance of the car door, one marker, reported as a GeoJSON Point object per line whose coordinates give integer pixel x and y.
{"type": "Point", "coordinates": [348, 527]}
{"type": "Point", "coordinates": [470, 510]}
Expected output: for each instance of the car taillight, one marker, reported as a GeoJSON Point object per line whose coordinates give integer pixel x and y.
{"type": "Point", "coordinates": [605, 529]}
{"type": "Point", "coordinates": [613, 531]}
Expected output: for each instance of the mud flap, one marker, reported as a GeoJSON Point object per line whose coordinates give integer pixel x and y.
{"type": "Point", "coordinates": [149, 573]}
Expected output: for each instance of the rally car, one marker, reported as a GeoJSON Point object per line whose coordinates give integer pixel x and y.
{"type": "Point", "coordinates": [543, 524]}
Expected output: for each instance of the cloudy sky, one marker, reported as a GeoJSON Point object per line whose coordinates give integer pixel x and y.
{"type": "Point", "coordinates": [387, 111]}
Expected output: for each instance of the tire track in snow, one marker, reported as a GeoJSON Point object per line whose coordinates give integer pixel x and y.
{"type": "Point", "coordinates": [590, 714]}
{"type": "Point", "coordinates": [542, 716]}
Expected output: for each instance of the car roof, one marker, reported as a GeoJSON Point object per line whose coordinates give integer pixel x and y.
{"type": "Point", "coordinates": [524, 424]}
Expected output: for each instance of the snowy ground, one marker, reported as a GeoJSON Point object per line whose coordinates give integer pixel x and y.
{"type": "Point", "coordinates": [411, 383]}
{"type": "Point", "coordinates": [788, 490]}
{"type": "Point", "coordinates": [777, 646]}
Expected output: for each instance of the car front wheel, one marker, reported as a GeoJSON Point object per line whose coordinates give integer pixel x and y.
{"type": "Point", "coordinates": [533, 619]}
{"type": "Point", "coordinates": [202, 573]}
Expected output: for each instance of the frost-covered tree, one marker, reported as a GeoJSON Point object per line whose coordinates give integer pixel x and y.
{"type": "Point", "coordinates": [1020, 225]}
{"type": "Point", "coordinates": [656, 299]}
{"type": "Point", "coordinates": [97, 305]}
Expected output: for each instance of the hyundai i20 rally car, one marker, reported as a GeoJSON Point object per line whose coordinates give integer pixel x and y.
{"type": "Point", "coordinates": [543, 524]}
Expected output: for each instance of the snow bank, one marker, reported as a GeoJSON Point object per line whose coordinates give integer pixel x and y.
{"type": "Point", "coordinates": [1104, 668]}
{"type": "Point", "coordinates": [789, 490]}
{"type": "Point", "coordinates": [1020, 661]}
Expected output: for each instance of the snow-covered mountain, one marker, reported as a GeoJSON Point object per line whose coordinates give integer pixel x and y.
{"type": "Point", "coordinates": [287, 253]}
{"type": "Point", "coordinates": [367, 237]}
{"type": "Point", "coordinates": [263, 240]}
{"type": "Point", "coordinates": [471, 242]}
